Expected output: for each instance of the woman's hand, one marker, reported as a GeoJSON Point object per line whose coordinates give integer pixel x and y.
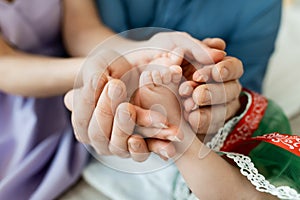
{"type": "Point", "coordinates": [102, 118]}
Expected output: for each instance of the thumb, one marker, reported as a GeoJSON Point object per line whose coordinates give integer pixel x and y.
{"type": "Point", "coordinates": [68, 100]}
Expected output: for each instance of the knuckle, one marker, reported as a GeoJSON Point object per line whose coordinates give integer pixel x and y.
{"type": "Point", "coordinates": [202, 94]}
{"type": "Point", "coordinates": [118, 151]}
{"type": "Point", "coordinates": [98, 137]}
{"type": "Point", "coordinates": [122, 134]}
{"type": "Point", "coordinates": [103, 111]}
{"type": "Point", "coordinates": [127, 108]}
{"type": "Point", "coordinates": [228, 63]}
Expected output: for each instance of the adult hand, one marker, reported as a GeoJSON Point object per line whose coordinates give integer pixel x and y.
{"type": "Point", "coordinates": [102, 118]}
{"type": "Point", "coordinates": [211, 92]}
{"type": "Point", "coordinates": [206, 52]}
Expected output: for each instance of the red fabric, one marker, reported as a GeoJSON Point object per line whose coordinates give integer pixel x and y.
{"type": "Point", "coordinates": [248, 124]}
{"type": "Point", "coordinates": [240, 140]}
{"type": "Point", "coordinates": [290, 143]}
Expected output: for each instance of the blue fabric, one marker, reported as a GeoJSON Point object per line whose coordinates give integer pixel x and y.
{"type": "Point", "coordinates": [249, 26]}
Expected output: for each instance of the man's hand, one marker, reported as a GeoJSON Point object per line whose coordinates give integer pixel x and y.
{"type": "Point", "coordinates": [211, 92]}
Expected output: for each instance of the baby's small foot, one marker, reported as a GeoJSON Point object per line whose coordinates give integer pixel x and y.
{"type": "Point", "coordinates": [159, 91]}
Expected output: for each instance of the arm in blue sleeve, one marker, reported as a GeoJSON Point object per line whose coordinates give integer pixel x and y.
{"type": "Point", "coordinates": [253, 39]}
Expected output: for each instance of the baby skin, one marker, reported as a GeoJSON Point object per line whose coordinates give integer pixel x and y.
{"type": "Point", "coordinates": [158, 91]}
{"type": "Point", "coordinates": [200, 167]}
{"type": "Point", "coordinates": [158, 87]}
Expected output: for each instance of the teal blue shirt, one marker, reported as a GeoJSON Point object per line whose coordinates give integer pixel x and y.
{"type": "Point", "coordinates": [248, 26]}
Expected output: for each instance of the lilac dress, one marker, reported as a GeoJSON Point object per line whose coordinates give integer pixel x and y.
{"type": "Point", "coordinates": [39, 157]}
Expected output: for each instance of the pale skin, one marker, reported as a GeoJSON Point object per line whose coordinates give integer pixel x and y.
{"type": "Point", "coordinates": [91, 31]}
{"type": "Point", "coordinates": [39, 76]}
{"type": "Point", "coordinates": [25, 76]}
{"type": "Point", "coordinates": [60, 79]}
{"type": "Point", "coordinates": [209, 177]}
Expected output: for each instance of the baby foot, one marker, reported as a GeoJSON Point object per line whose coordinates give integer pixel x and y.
{"type": "Point", "coordinates": [158, 89]}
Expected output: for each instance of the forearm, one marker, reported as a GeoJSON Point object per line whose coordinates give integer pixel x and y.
{"type": "Point", "coordinates": [211, 177]}
{"type": "Point", "coordinates": [83, 29]}
{"type": "Point", "coordinates": [37, 76]}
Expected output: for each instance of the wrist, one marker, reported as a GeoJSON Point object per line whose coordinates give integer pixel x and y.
{"type": "Point", "coordinates": [190, 145]}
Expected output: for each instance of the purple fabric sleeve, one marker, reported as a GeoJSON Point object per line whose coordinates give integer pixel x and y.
{"type": "Point", "coordinates": [39, 157]}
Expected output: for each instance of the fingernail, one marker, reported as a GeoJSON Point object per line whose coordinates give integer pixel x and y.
{"type": "Point", "coordinates": [174, 138]}
{"type": "Point", "coordinates": [187, 90]}
{"type": "Point", "coordinates": [200, 77]}
{"type": "Point", "coordinates": [188, 104]}
{"type": "Point", "coordinates": [124, 116]}
{"type": "Point", "coordinates": [221, 51]}
{"type": "Point", "coordinates": [206, 97]}
{"type": "Point", "coordinates": [195, 107]}
{"type": "Point", "coordinates": [224, 72]}
{"type": "Point", "coordinates": [164, 153]}
{"type": "Point", "coordinates": [114, 91]}
{"type": "Point", "coordinates": [135, 146]}
{"type": "Point", "coordinates": [160, 125]}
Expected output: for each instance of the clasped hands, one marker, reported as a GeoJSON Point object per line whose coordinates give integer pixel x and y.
{"type": "Point", "coordinates": [103, 117]}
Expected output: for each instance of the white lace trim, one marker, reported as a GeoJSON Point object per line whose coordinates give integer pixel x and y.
{"type": "Point", "coordinates": [218, 140]}
{"type": "Point", "coordinates": [248, 169]}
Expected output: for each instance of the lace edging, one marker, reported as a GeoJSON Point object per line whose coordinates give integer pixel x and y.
{"type": "Point", "coordinates": [248, 169]}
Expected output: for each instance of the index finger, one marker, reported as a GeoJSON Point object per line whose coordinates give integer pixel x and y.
{"type": "Point", "coordinates": [194, 49]}
{"type": "Point", "coordinates": [228, 69]}
{"type": "Point", "coordinates": [198, 50]}
{"type": "Point", "coordinates": [89, 85]}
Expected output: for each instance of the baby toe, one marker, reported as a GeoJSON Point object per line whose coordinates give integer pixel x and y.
{"type": "Point", "coordinates": [176, 73]}
{"type": "Point", "coordinates": [156, 77]}
{"type": "Point", "coordinates": [166, 75]}
{"type": "Point", "coordinates": [146, 79]}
